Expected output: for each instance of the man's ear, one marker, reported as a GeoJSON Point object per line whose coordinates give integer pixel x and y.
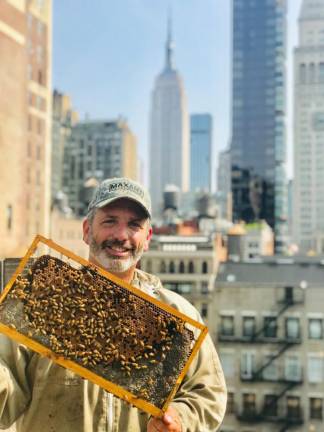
{"type": "Point", "coordinates": [86, 231]}
{"type": "Point", "coordinates": [148, 239]}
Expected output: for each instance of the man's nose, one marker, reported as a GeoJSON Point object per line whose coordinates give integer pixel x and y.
{"type": "Point", "coordinates": [121, 232]}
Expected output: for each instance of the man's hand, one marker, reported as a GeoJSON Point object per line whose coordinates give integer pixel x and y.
{"type": "Point", "coordinates": [170, 422]}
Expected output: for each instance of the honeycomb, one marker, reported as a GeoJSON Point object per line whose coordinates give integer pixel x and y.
{"type": "Point", "coordinates": [84, 317]}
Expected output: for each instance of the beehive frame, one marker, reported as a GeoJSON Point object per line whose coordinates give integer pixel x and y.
{"type": "Point", "coordinates": [119, 391]}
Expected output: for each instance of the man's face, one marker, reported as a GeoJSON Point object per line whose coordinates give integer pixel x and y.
{"type": "Point", "coordinates": [118, 236]}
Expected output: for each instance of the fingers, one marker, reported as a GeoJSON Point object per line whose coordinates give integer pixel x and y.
{"type": "Point", "coordinates": [170, 422]}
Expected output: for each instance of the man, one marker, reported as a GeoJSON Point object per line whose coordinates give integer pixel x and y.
{"type": "Point", "coordinates": [45, 397]}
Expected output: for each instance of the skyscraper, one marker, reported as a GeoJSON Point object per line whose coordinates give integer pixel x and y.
{"type": "Point", "coordinates": [258, 147]}
{"type": "Point", "coordinates": [308, 195]}
{"type": "Point", "coordinates": [25, 118]}
{"type": "Point", "coordinates": [94, 151]}
{"type": "Point", "coordinates": [62, 122]}
{"type": "Point", "coordinates": [200, 151]}
{"type": "Point", "coordinates": [169, 131]}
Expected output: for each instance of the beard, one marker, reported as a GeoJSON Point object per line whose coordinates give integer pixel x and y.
{"type": "Point", "coordinates": [112, 263]}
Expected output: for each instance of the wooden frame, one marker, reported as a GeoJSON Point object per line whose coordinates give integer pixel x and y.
{"type": "Point", "coordinates": [83, 371]}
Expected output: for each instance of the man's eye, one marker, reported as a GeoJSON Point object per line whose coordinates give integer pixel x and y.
{"type": "Point", "coordinates": [108, 222]}
{"type": "Point", "coordinates": [135, 224]}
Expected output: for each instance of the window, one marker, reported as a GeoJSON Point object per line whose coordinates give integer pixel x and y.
{"type": "Point", "coordinates": [28, 175]}
{"type": "Point", "coordinates": [270, 408]}
{"type": "Point", "coordinates": [302, 73]}
{"type": "Point", "coordinates": [30, 123]}
{"type": "Point", "coordinates": [249, 404]}
{"type": "Point", "coordinates": [315, 369]}
{"type": "Point", "coordinates": [292, 368]}
{"type": "Point", "coordinates": [40, 54]}
{"type": "Point", "coordinates": [179, 287]}
{"type": "Point", "coordinates": [204, 310]}
{"type": "Point", "coordinates": [289, 294]}
{"type": "Point", "coordinates": [293, 407]}
{"type": "Point", "coordinates": [9, 217]}
{"type": "Point", "coordinates": [191, 268]}
{"type": "Point", "coordinates": [312, 73]}
{"type": "Point", "coordinates": [248, 326]}
{"type": "Point", "coordinates": [227, 325]}
{"type": "Point", "coordinates": [204, 267]}
{"type": "Point", "coordinates": [228, 363]}
{"type": "Point", "coordinates": [29, 149]}
{"type": "Point", "coordinates": [171, 267]}
{"type": "Point", "coordinates": [170, 286]}
{"type": "Point", "coordinates": [204, 287]}
{"type": "Point", "coordinates": [162, 267]}
{"type": "Point", "coordinates": [40, 27]}
{"type": "Point", "coordinates": [270, 327]}
{"type": "Point", "coordinates": [321, 72]}
{"type": "Point", "coordinates": [181, 267]}
{"type": "Point", "coordinates": [247, 365]}
{"type": "Point", "coordinates": [292, 328]}
{"type": "Point", "coordinates": [38, 152]}
{"type": "Point", "coordinates": [38, 178]}
{"type": "Point", "coordinates": [184, 287]}
{"type": "Point", "coordinates": [40, 77]}
{"type": "Point", "coordinates": [270, 372]}
{"type": "Point", "coordinates": [315, 328]}
{"type": "Point", "coordinates": [230, 408]}
{"type": "Point", "coordinates": [316, 408]}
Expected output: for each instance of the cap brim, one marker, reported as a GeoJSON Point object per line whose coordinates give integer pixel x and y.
{"type": "Point", "coordinates": [104, 203]}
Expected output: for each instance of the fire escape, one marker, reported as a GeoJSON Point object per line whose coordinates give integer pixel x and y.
{"type": "Point", "coordinates": [268, 335]}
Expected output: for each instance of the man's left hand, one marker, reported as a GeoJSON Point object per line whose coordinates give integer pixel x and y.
{"type": "Point", "coordinates": [169, 422]}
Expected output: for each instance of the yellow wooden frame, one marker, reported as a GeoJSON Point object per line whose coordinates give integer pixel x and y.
{"type": "Point", "coordinates": [82, 371]}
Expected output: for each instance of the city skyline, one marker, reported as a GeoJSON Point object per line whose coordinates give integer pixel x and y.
{"type": "Point", "coordinates": [127, 45]}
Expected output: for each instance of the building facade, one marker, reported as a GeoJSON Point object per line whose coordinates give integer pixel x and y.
{"type": "Point", "coordinates": [186, 265]}
{"type": "Point", "coordinates": [97, 150]}
{"type": "Point", "coordinates": [258, 146]}
{"type": "Point", "coordinates": [308, 190]}
{"type": "Point", "coordinates": [169, 132]}
{"type": "Point", "coordinates": [66, 231]}
{"type": "Point", "coordinates": [269, 334]}
{"type": "Point", "coordinates": [201, 152]}
{"type": "Point", "coordinates": [250, 241]}
{"type": "Point", "coordinates": [63, 119]}
{"type": "Point", "coordinates": [25, 46]}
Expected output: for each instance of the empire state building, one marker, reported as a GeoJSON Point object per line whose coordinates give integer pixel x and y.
{"type": "Point", "coordinates": [169, 131]}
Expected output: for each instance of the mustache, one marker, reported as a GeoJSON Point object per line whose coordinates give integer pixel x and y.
{"type": "Point", "coordinates": [112, 243]}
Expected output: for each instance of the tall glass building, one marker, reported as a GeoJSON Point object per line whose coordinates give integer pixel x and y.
{"type": "Point", "coordinates": [258, 147]}
{"type": "Point", "coordinates": [200, 151]}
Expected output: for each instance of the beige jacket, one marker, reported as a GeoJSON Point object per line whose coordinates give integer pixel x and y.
{"type": "Point", "coordinates": [44, 397]}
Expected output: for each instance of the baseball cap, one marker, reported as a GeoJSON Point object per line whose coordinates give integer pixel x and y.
{"type": "Point", "coordinates": [115, 188]}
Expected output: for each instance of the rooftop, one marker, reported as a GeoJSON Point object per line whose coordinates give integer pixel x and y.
{"type": "Point", "coordinates": [274, 271]}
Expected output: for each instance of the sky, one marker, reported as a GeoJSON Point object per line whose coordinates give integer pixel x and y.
{"type": "Point", "coordinates": [107, 54]}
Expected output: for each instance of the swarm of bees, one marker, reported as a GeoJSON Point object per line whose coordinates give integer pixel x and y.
{"type": "Point", "coordinates": [84, 317]}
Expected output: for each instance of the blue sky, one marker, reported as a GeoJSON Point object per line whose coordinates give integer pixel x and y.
{"type": "Point", "coordinates": [107, 54]}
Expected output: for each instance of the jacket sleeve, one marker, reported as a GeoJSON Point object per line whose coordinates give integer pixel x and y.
{"type": "Point", "coordinates": [201, 398]}
{"type": "Point", "coordinates": [15, 391]}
